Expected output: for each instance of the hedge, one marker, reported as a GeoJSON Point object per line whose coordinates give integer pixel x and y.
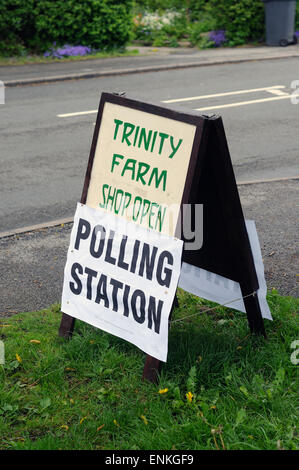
{"type": "Point", "coordinates": [36, 24]}
{"type": "Point", "coordinates": [243, 20]}
{"type": "Point", "coordinates": [194, 8]}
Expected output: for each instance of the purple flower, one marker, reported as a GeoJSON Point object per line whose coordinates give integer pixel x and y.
{"type": "Point", "coordinates": [297, 34]}
{"type": "Point", "coordinates": [68, 51]}
{"type": "Point", "coordinates": [218, 37]}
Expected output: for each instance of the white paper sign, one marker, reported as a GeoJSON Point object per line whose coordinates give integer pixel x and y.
{"type": "Point", "coordinates": [219, 289]}
{"type": "Point", "coordinates": [259, 267]}
{"type": "Point", "coordinates": [122, 278]}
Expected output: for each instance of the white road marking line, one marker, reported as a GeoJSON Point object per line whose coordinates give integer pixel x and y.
{"type": "Point", "coordinates": [228, 93]}
{"type": "Point", "coordinates": [274, 90]}
{"type": "Point", "coordinates": [277, 92]}
{"type": "Point", "coordinates": [79, 113]}
{"type": "Point", "coordinates": [271, 89]}
{"type": "Point", "coordinates": [245, 103]}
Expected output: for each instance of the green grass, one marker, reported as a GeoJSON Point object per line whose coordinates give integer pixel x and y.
{"type": "Point", "coordinates": [37, 59]}
{"type": "Point", "coordinates": [87, 393]}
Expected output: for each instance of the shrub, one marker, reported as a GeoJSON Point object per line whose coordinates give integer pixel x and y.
{"type": "Point", "coordinates": [193, 7]}
{"type": "Point", "coordinates": [197, 31]}
{"type": "Point", "coordinates": [160, 26]}
{"type": "Point", "coordinates": [36, 24]}
{"type": "Point", "coordinates": [16, 26]}
{"type": "Point", "coordinates": [159, 29]}
{"type": "Point", "coordinates": [243, 20]}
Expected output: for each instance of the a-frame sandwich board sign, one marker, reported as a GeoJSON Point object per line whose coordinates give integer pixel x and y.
{"type": "Point", "coordinates": [204, 175]}
{"type": "Point", "coordinates": [226, 249]}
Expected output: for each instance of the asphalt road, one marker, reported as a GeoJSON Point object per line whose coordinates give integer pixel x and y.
{"type": "Point", "coordinates": [43, 157]}
{"type": "Point", "coordinates": [32, 264]}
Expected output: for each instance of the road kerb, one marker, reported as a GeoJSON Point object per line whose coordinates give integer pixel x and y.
{"type": "Point", "coordinates": [145, 69]}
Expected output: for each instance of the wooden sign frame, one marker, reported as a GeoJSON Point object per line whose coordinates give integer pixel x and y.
{"type": "Point", "coordinates": [210, 181]}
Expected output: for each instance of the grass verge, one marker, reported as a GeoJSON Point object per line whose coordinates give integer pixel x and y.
{"type": "Point", "coordinates": [36, 59]}
{"type": "Point", "coordinates": [221, 387]}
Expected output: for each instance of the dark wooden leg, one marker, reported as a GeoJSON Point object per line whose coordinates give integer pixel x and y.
{"type": "Point", "coordinates": [152, 369]}
{"type": "Point", "coordinates": [254, 314]}
{"type": "Point", "coordinates": [175, 304]}
{"type": "Point", "coordinates": [152, 366]}
{"type": "Point", "coordinates": [66, 326]}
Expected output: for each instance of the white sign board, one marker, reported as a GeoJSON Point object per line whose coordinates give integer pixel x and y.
{"type": "Point", "coordinates": [224, 291]}
{"type": "Point", "coordinates": [140, 166]}
{"type": "Point", "coordinates": [122, 278]}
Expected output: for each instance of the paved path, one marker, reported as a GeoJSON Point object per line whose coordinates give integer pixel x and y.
{"type": "Point", "coordinates": [149, 59]}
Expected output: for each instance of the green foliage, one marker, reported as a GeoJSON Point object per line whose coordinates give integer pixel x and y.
{"type": "Point", "coordinates": [297, 16]}
{"type": "Point", "coordinates": [243, 20]}
{"type": "Point", "coordinates": [171, 26]}
{"type": "Point", "coordinates": [158, 30]}
{"type": "Point", "coordinates": [197, 31]}
{"type": "Point", "coordinates": [222, 387]}
{"type": "Point", "coordinates": [191, 381]}
{"type": "Point", "coordinates": [191, 8]}
{"type": "Point", "coordinates": [16, 26]}
{"type": "Point", "coordinates": [37, 24]}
